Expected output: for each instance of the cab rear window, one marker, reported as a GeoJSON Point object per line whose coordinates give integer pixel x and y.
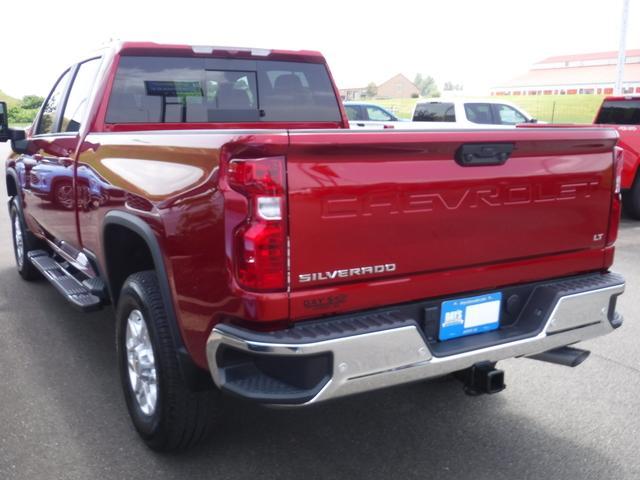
{"type": "Point", "coordinates": [434, 112]}
{"type": "Point", "coordinates": [620, 112]}
{"type": "Point", "coordinates": [199, 90]}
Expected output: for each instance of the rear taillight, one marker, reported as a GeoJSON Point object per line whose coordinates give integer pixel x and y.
{"type": "Point", "coordinates": [260, 242]}
{"type": "Point", "coordinates": [618, 164]}
{"type": "Point", "coordinates": [616, 201]}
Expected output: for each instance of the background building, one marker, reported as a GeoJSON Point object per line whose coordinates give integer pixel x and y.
{"type": "Point", "coordinates": [591, 73]}
{"type": "Point", "coordinates": [397, 86]}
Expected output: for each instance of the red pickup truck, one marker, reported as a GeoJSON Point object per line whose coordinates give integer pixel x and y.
{"type": "Point", "coordinates": [251, 243]}
{"type": "Point", "coordinates": [623, 114]}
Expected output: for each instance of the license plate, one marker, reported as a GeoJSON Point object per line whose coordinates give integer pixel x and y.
{"type": "Point", "coordinates": [468, 316]}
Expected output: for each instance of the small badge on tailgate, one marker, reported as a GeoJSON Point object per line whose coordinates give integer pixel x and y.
{"type": "Point", "coordinates": [468, 316]}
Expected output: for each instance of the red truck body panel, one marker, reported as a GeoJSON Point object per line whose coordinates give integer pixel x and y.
{"type": "Point", "coordinates": [401, 199]}
{"type": "Point", "coordinates": [410, 199]}
{"type": "Point", "coordinates": [447, 228]}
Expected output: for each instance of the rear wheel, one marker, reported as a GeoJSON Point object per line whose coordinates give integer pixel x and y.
{"type": "Point", "coordinates": [23, 243]}
{"type": "Point", "coordinates": [165, 412]}
{"type": "Point", "coordinates": [631, 200]}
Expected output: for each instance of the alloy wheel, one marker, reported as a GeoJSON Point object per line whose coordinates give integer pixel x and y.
{"type": "Point", "coordinates": [141, 363]}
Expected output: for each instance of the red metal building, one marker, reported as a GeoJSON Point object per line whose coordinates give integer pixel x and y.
{"type": "Point", "coordinates": [590, 74]}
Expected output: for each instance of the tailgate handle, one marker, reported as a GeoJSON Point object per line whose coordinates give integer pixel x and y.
{"type": "Point", "coordinates": [479, 154]}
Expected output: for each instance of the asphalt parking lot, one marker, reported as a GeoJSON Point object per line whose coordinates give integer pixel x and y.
{"type": "Point", "coordinates": [62, 415]}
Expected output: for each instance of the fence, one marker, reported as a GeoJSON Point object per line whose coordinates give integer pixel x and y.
{"type": "Point", "coordinates": [546, 108]}
{"type": "Point", "coordinates": [558, 112]}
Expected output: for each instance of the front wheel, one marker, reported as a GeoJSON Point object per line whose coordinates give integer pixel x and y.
{"type": "Point", "coordinates": [23, 243]}
{"type": "Point", "coordinates": [166, 414]}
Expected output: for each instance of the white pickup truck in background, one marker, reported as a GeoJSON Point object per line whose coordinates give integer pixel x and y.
{"type": "Point", "coordinates": [437, 113]}
{"type": "Point", "coordinates": [464, 113]}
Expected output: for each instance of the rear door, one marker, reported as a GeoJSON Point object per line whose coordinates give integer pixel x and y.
{"type": "Point", "coordinates": [46, 181]}
{"type": "Point", "coordinates": [376, 205]}
{"type": "Point", "coordinates": [480, 113]}
{"type": "Point", "coordinates": [52, 191]}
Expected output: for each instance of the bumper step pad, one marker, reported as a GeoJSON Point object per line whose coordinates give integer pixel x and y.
{"type": "Point", "coordinates": [332, 328]}
{"type": "Point", "coordinates": [73, 290]}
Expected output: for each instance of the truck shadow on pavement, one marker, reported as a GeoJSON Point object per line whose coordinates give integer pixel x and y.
{"type": "Point", "coordinates": [65, 362]}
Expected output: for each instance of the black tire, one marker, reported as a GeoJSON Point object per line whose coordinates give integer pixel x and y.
{"type": "Point", "coordinates": [25, 268]}
{"type": "Point", "coordinates": [181, 418]}
{"type": "Point", "coordinates": [631, 200]}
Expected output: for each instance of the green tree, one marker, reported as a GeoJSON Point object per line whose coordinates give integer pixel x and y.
{"type": "Point", "coordinates": [372, 90]}
{"type": "Point", "coordinates": [426, 85]}
{"type": "Point", "coordinates": [20, 115]}
{"type": "Point", "coordinates": [31, 102]}
{"type": "Point", "coordinates": [26, 110]}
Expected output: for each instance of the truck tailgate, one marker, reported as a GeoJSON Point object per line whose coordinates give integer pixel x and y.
{"type": "Point", "coordinates": [367, 206]}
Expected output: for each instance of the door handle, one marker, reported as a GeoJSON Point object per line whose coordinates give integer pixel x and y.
{"type": "Point", "coordinates": [482, 154]}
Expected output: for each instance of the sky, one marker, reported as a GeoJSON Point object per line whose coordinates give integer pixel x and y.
{"type": "Point", "coordinates": [476, 43]}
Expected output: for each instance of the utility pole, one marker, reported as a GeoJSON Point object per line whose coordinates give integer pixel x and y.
{"type": "Point", "coordinates": [622, 49]}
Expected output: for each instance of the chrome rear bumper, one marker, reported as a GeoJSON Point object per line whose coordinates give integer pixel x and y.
{"type": "Point", "coordinates": [358, 357]}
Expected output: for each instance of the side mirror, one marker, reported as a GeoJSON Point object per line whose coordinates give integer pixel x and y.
{"type": "Point", "coordinates": [4, 122]}
{"type": "Point", "coordinates": [17, 137]}
{"type": "Point", "coordinates": [7, 133]}
{"type": "Point", "coordinates": [533, 120]}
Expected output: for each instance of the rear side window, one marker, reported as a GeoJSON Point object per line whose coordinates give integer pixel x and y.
{"type": "Point", "coordinates": [434, 112]}
{"type": "Point", "coordinates": [623, 112]}
{"type": "Point", "coordinates": [78, 99]}
{"type": "Point", "coordinates": [478, 113]}
{"type": "Point", "coordinates": [190, 90]}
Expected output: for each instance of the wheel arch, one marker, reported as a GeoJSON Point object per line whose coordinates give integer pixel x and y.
{"type": "Point", "coordinates": [117, 223]}
{"type": "Point", "coordinates": [12, 183]}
